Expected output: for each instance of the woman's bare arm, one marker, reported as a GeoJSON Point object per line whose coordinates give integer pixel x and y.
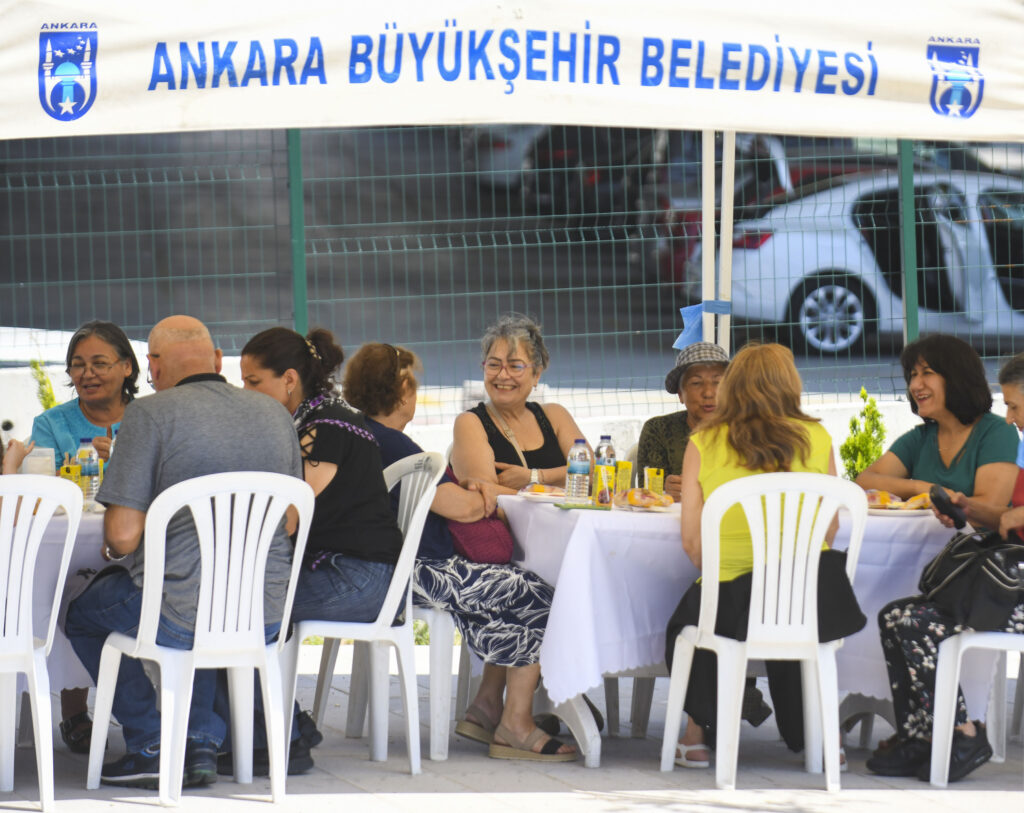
{"type": "Point", "coordinates": [889, 474]}
{"type": "Point", "coordinates": [691, 504]}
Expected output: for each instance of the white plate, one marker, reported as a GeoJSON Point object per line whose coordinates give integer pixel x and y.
{"type": "Point", "coordinates": [899, 512]}
{"type": "Point", "coordinates": [543, 497]}
{"type": "Point", "coordinates": [650, 509]}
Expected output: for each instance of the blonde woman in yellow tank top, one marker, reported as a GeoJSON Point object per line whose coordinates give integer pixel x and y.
{"type": "Point", "coordinates": [758, 427]}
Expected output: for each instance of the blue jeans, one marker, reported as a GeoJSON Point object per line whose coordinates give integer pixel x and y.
{"type": "Point", "coordinates": [341, 588]}
{"type": "Point", "coordinates": [112, 603]}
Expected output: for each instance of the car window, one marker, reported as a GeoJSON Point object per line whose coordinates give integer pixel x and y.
{"type": "Point", "coordinates": [1002, 216]}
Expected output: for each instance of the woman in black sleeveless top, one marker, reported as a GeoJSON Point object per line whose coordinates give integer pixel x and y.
{"type": "Point", "coordinates": [484, 449]}
{"type": "Point", "coordinates": [514, 356]}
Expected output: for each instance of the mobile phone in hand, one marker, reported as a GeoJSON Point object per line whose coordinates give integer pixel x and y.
{"type": "Point", "coordinates": [944, 505]}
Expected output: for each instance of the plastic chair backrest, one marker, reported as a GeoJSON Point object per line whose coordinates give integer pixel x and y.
{"type": "Point", "coordinates": [418, 474]}
{"type": "Point", "coordinates": [27, 504]}
{"type": "Point", "coordinates": [236, 515]}
{"type": "Point", "coordinates": [789, 514]}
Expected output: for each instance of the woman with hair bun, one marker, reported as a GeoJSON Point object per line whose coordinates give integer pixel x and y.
{"type": "Point", "coordinates": [354, 540]}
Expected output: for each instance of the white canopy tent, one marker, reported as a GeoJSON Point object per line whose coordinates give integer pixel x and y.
{"type": "Point", "coordinates": [914, 69]}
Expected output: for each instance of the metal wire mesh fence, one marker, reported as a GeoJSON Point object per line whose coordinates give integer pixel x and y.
{"type": "Point", "coordinates": [422, 236]}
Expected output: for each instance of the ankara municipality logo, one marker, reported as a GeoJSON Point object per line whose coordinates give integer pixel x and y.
{"type": "Point", "coordinates": [67, 69]}
{"type": "Point", "coordinates": [957, 82]}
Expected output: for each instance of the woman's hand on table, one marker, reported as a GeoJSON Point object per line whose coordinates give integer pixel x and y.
{"type": "Point", "coordinates": [512, 476]}
{"type": "Point", "coordinates": [674, 486]}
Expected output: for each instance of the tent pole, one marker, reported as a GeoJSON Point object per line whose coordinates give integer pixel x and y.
{"type": "Point", "coordinates": [297, 226]}
{"type": "Point", "coordinates": [908, 239]}
{"type": "Point", "coordinates": [707, 256]}
{"type": "Point", "coordinates": [725, 256]}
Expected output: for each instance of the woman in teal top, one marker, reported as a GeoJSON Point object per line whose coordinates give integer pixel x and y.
{"type": "Point", "coordinates": [961, 446]}
{"type": "Point", "coordinates": [104, 370]}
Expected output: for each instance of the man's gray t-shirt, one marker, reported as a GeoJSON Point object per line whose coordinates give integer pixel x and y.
{"type": "Point", "coordinates": [202, 426]}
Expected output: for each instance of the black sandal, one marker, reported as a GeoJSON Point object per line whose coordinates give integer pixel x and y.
{"type": "Point", "coordinates": [76, 731]}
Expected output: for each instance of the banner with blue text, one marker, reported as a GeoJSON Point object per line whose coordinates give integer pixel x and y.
{"type": "Point", "coordinates": [913, 68]}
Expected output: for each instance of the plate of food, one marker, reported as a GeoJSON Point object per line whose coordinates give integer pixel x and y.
{"type": "Point", "coordinates": [643, 499]}
{"type": "Point", "coordinates": [884, 504]}
{"type": "Point", "coordinates": [538, 492]}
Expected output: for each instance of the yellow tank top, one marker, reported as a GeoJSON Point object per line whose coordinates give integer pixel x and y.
{"type": "Point", "coordinates": [720, 464]}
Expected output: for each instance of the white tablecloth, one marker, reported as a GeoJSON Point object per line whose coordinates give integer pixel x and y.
{"type": "Point", "coordinates": [66, 671]}
{"type": "Point", "coordinates": [619, 575]}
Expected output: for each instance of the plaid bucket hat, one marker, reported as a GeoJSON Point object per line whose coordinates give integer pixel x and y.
{"type": "Point", "coordinates": [696, 353]}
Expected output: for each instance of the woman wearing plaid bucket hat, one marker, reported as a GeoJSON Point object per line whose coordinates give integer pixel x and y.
{"type": "Point", "coordinates": [694, 378]}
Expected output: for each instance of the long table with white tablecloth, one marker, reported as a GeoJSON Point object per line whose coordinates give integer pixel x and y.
{"type": "Point", "coordinates": [619, 575]}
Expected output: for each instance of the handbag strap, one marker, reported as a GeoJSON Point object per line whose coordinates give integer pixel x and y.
{"type": "Point", "coordinates": [507, 431]}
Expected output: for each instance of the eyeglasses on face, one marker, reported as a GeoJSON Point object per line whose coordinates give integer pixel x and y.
{"type": "Point", "coordinates": [78, 368]}
{"type": "Point", "coordinates": [515, 368]}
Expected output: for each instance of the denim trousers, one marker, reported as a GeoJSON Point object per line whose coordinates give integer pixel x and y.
{"type": "Point", "coordinates": [112, 603]}
{"type": "Point", "coordinates": [340, 588]}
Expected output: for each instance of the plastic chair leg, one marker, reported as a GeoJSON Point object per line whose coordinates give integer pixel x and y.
{"type": "Point", "coordinates": [328, 657]}
{"type": "Point", "coordinates": [106, 685]}
{"type": "Point", "coordinates": [442, 636]}
{"type": "Point", "coordinates": [811, 700]}
{"type": "Point", "coordinates": [828, 712]}
{"type": "Point", "coordinates": [947, 678]}
{"type": "Point", "coordinates": [1018, 700]}
{"type": "Point", "coordinates": [277, 733]}
{"type": "Point", "coordinates": [682, 658]}
{"type": "Point", "coordinates": [410, 700]}
{"type": "Point", "coordinates": [42, 726]}
{"type": "Point", "coordinates": [379, 680]}
{"type": "Point", "coordinates": [288, 660]}
{"type": "Point", "coordinates": [611, 704]}
{"type": "Point", "coordinates": [176, 677]}
{"type": "Point", "coordinates": [240, 691]}
{"type": "Point", "coordinates": [732, 676]}
{"type": "Point", "coordinates": [8, 721]}
{"type": "Point", "coordinates": [640, 710]}
{"type": "Point", "coordinates": [463, 689]}
{"type": "Point", "coordinates": [358, 691]}
{"type": "Point", "coordinates": [995, 720]}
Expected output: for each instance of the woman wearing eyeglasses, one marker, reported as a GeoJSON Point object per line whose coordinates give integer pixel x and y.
{"type": "Point", "coordinates": [104, 372]}
{"type": "Point", "coordinates": [510, 440]}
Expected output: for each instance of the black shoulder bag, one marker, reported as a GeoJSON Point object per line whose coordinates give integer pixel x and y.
{"type": "Point", "coordinates": [977, 579]}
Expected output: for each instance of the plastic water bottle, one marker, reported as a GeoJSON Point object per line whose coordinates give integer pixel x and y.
{"type": "Point", "coordinates": [577, 476]}
{"type": "Point", "coordinates": [605, 452]}
{"type": "Point", "coordinates": [89, 459]}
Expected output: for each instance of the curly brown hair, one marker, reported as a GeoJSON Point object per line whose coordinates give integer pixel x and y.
{"type": "Point", "coordinates": [759, 404]}
{"type": "Point", "coordinates": [378, 377]}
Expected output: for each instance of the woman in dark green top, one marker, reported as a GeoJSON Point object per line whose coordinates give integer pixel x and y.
{"type": "Point", "coordinates": [961, 445]}
{"type": "Point", "coordinates": [699, 368]}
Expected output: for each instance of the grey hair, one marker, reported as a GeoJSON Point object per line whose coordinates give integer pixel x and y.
{"type": "Point", "coordinates": [1012, 372]}
{"type": "Point", "coordinates": [518, 331]}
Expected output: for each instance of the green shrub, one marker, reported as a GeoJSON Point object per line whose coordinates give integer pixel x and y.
{"type": "Point", "coordinates": [867, 434]}
{"type": "Point", "coordinates": [44, 387]}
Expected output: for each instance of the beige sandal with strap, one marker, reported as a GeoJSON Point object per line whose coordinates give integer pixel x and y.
{"type": "Point", "coordinates": [523, 749]}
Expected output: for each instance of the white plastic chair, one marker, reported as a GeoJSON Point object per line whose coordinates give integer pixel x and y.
{"type": "Point", "coordinates": [947, 678]}
{"type": "Point", "coordinates": [236, 515]}
{"type": "Point", "coordinates": [27, 504]}
{"type": "Point", "coordinates": [419, 474]}
{"type": "Point", "coordinates": [789, 514]}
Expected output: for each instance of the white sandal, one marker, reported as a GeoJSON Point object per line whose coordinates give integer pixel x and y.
{"type": "Point", "coordinates": [683, 756]}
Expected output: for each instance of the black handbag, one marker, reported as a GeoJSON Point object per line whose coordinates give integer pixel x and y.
{"type": "Point", "coordinates": [977, 579]}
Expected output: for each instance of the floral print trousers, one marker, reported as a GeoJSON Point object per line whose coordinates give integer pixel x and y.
{"type": "Point", "coordinates": [911, 631]}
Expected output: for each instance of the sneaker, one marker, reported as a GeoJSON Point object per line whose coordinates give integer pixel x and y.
{"type": "Point", "coordinates": [200, 764]}
{"type": "Point", "coordinates": [308, 730]}
{"type": "Point", "coordinates": [299, 761]}
{"type": "Point", "coordinates": [137, 770]}
{"type": "Point", "coordinates": [904, 759]}
{"type": "Point", "coordinates": [967, 754]}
